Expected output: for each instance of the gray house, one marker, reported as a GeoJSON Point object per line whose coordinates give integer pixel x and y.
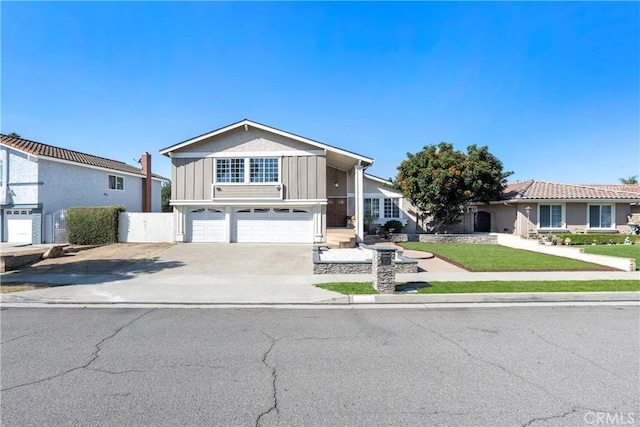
{"type": "Point", "coordinates": [248, 182]}
{"type": "Point", "coordinates": [39, 181]}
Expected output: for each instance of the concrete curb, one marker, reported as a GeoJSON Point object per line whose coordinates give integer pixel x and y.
{"type": "Point", "coordinates": [372, 299]}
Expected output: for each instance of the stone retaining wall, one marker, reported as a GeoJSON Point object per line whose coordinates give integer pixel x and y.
{"type": "Point", "coordinates": [401, 265]}
{"type": "Point", "coordinates": [445, 238]}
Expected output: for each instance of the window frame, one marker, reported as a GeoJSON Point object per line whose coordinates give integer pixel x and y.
{"type": "Point", "coordinates": [612, 219]}
{"type": "Point", "coordinates": [247, 175]}
{"type": "Point", "coordinates": [116, 179]}
{"type": "Point", "coordinates": [563, 213]}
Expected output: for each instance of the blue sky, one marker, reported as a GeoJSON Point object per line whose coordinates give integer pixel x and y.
{"type": "Point", "coordinates": [552, 88]}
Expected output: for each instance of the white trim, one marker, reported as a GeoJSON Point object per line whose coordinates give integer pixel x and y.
{"type": "Point", "coordinates": [257, 202]}
{"type": "Point", "coordinates": [559, 201]}
{"type": "Point", "coordinates": [226, 154]}
{"type": "Point", "coordinates": [375, 178]}
{"type": "Point", "coordinates": [563, 226]}
{"type": "Point", "coordinates": [242, 123]}
{"type": "Point", "coordinates": [613, 217]}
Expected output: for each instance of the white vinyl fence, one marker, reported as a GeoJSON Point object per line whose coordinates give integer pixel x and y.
{"type": "Point", "coordinates": [143, 227]}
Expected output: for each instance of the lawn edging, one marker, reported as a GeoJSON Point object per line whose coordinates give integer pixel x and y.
{"type": "Point", "coordinates": [516, 242]}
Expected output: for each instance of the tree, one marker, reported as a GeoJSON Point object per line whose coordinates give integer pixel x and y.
{"type": "Point", "coordinates": [440, 181]}
{"type": "Point", "coordinates": [13, 135]}
{"type": "Point", "coordinates": [631, 180]}
{"type": "Point", "coordinates": [165, 194]}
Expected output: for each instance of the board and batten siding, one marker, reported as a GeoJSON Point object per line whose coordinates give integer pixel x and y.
{"type": "Point", "coordinates": [303, 177]}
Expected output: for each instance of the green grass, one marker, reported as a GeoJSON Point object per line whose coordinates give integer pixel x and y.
{"type": "Point", "coordinates": [488, 257]}
{"type": "Point", "coordinates": [624, 251]}
{"type": "Point", "coordinates": [360, 288]}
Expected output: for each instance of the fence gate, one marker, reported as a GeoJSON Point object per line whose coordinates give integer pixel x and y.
{"type": "Point", "coordinates": [60, 226]}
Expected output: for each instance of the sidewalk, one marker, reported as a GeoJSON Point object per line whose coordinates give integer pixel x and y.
{"type": "Point", "coordinates": [167, 288]}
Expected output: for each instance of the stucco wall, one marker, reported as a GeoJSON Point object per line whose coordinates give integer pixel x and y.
{"type": "Point", "coordinates": [65, 185]}
{"type": "Point", "coordinates": [22, 178]}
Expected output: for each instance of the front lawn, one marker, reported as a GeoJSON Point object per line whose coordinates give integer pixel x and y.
{"type": "Point", "coordinates": [359, 288]}
{"type": "Point", "coordinates": [624, 251]}
{"type": "Point", "coordinates": [487, 257]}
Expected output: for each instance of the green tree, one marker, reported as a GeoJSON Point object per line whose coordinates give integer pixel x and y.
{"type": "Point", "coordinates": [440, 181]}
{"type": "Point", "coordinates": [13, 135]}
{"type": "Point", "coordinates": [166, 196]}
{"type": "Point", "coordinates": [631, 180]}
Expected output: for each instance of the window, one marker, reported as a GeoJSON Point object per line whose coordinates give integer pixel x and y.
{"type": "Point", "coordinates": [372, 207]}
{"type": "Point", "coordinates": [263, 170]}
{"type": "Point", "coordinates": [600, 216]}
{"type": "Point", "coordinates": [230, 170]}
{"type": "Point", "coordinates": [1, 172]}
{"type": "Point", "coordinates": [259, 170]}
{"type": "Point", "coordinates": [116, 182]}
{"type": "Point", "coordinates": [551, 216]}
{"type": "Point", "coordinates": [391, 209]}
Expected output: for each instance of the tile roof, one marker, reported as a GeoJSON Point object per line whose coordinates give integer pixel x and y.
{"type": "Point", "coordinates": [40, 149]}
{"type": "Point", "coordinates": [532, 189]}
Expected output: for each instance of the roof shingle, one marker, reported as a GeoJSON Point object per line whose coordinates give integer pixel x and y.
{"type": "Point", "coordinates": [532, 189]}
{"type": "Point", "coordinates": [40, 149]}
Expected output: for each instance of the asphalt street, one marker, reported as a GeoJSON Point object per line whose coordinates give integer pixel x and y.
{"type": "Point", "coordinates": [508, 366]}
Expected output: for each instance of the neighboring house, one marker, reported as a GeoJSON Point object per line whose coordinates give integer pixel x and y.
{"type": "Point", "coordinates": [547, 207]}
{"type": "Point", "coordinates": [248, 182]}
{"type": "Point", "coordinates": [39, 181]}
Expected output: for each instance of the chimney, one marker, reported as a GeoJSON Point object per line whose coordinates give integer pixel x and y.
{"type": "Point", "coordinates": [146, 182]}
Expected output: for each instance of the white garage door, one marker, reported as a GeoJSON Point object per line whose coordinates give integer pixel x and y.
{"type": "Point", "coordinates": [206, 225]}
{"type": "Point", "coordinates": [277, 225]}
{"type": "Point", "coordinates": [18, 225]}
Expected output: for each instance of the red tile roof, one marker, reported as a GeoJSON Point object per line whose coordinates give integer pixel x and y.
{"type": "Point", "coordinates": [532, 189]}
{"type": "Point", "coordinates": [40, 149]}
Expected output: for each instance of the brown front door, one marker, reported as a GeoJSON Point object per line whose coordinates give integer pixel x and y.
{"type": "Point", "coordinates": [337, 212]}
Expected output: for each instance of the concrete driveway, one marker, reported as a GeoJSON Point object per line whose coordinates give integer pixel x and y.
{"type": "Point", "coordinates": [214, 259]}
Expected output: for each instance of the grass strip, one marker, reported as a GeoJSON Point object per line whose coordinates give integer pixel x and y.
{"type": "Point", "coordinates": [488, 257]}
{"type": "Point", "coordinates": [362, 288]}
{"type": "Point", "coordinates": [624, 251]}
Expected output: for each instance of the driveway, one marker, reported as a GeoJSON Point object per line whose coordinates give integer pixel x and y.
{"type": "Point", "coordinates": [249, 259]}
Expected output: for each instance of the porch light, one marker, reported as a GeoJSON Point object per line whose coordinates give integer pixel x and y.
{"type": "Point", "coordinates": [336, 184]}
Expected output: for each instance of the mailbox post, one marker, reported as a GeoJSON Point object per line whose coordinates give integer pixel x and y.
{"type": "Point", "coordinates": [384, 273]}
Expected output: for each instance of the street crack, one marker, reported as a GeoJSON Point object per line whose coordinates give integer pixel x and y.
{"type": "Point", "coordinates": [274, 378]}
{"type": "Point", "coordinates": [488, 362]}
{"type": "Point", "coordinates": [20, 337]}
{"type": "Point", "coordinates": [552, 417]}
{"type": "Point", "coordinates": [94, 356]}
{"type": "Point", "coordinates": [576, 354]}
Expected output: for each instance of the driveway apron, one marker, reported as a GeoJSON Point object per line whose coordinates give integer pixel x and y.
{"type": "Point", "coordinates": [215, 259]}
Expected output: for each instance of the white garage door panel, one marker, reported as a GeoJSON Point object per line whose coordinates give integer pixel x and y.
{"type": "Point", "coordinates": [206, 225]}
{"type": "Point", "coordinates": [18, 224]}
{"type": "Point", "coordinates": [278, 225]}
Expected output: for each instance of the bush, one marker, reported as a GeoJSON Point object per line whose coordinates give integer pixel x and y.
{"type": "Point", "coordinates": [395, 224]}
{"type": "Point", "coordinates": [600, 239]}
{"type": "Point", "coordinates": [93, 225]}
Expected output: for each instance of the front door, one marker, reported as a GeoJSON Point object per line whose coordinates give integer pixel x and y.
{"type": "Point", "coordinates": [337, 212]}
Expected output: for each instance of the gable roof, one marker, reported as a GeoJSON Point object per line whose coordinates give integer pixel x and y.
{"type": "Point", "coordinates": [543, 190]}
{"type": "Point", "coordinates": [44, 150]}
{"type": "Point", "coordinates": [246, 122]}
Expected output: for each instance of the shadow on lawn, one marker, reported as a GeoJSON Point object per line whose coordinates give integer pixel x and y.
{"type": "Point", "coordinates": [412, 285]}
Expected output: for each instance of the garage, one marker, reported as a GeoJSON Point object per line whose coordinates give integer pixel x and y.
{"type": "Point", "coordinates": [273, 225]}
{"type": "Point", "coordinates": [206, 225]}
{"type": "Point", "coordinates": [18, 225]}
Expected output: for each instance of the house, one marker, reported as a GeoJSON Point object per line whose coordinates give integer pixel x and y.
{"type": "Point", "coordinates": [39, 181]}
{"type": "Point", "coordinates": [383, 203]}
{"type": "Point", "coordinates": [248, 182]}
{"type": "Point", "coordinates": [547, 207]}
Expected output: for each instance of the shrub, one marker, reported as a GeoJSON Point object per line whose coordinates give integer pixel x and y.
{"type": "Point", "coordinates": [395, 224]}
{"type": "Point", "coordinates": [93, 225]}
{"type": "Point", "coordinates": [599, 239]}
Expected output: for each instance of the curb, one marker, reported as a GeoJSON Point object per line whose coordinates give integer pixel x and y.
{"type": "Point", "coordinates": [381, 299]}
